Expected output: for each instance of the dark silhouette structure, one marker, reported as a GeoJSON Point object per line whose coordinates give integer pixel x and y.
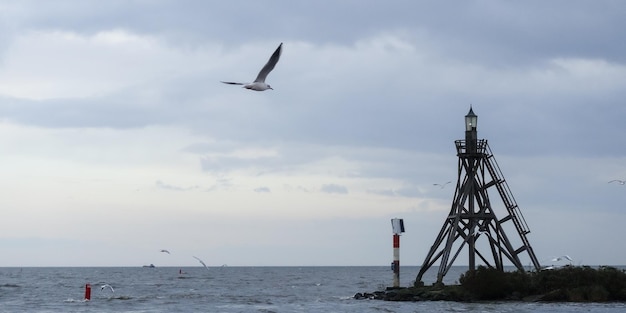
{"type": "Point", "coordinates": [472, 222]}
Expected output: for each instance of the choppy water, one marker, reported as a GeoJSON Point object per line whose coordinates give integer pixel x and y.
{"type": "Point", "coordinates": [234, 289]}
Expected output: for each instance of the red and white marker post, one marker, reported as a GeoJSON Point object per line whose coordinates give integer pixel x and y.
{"type": "Point", "coordinates": [396, 260]}
{"type": "Point", "coordinates": [397, 226]}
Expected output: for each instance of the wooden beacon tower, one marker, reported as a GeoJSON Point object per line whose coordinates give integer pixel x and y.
{"type": "Point", "coordinates": [472, 221]}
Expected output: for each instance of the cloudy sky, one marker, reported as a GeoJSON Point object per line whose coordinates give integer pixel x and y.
{"type": "Point", "coordinates": [117, 138]}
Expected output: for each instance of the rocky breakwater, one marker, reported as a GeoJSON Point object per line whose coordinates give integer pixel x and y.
{"type": "Point", "coordinates": [423, 293]}
{"type": "Point", "coordinates": [566, 284]}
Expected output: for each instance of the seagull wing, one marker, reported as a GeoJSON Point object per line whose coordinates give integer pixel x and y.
{"type": "Point", "coordinates": [197, 258]}
{"type": "Point", "coordinates": [442, 185]}
{"type": "Point", "coordinates": [269, 66]}
{"type": "Point", "coordinates": [232, 83]}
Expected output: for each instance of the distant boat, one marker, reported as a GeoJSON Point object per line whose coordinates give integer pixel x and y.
{"type": "Point", "coordinates": [150, 266]}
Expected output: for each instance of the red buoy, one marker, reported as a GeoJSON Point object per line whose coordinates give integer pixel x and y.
{"type": "Point", "coordinates": [88, 292]}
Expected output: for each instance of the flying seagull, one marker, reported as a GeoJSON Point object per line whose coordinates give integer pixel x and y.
{"type": "Point", "coordinates": [165, 251]}
{"type": "Point", "coordinates": [442, 185]}
{"type": "Point", "coordinates": [197, 258]}
{"type": "Point", "coordinates": [259, 83]}
{"type": "Point", "coordinates": [107, 286]}
{"type": "Point", "coordinates": [561, 258]}
{"type": "Point", "coordinates": [621, 182]}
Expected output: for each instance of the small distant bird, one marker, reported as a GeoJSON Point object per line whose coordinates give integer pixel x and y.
{"type": "Point", "coordinates": [561, 258]}
{"type": "Point", "coordinates": [165, 251]}
{"type": "Point", "coordinates": [621, 182]}
{"type": "Point", "coordinates": [442, 185]}
{"type": "Point", "coordinates": [201, 262]}
{"type": "Point", "coordinates": [259, 83]}
{"type": "Point", "coordinates": [479, 232]}
{"type": "Point", "coordinates": [107, 286]}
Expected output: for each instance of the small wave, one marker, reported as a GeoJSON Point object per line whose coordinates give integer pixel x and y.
{"type": "Point", "coordinates": [119, 298]}
{"type": "Point", "coordinates": [10, 286]}
{"type": "Point", "coordinates": [73, 300]}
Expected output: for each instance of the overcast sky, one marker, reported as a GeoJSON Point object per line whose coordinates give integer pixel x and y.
{"type": "Point", "coordinates": [117, 138]}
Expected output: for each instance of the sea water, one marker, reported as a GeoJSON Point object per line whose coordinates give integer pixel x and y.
{"type": "Point", "coordinates": [235, 289]}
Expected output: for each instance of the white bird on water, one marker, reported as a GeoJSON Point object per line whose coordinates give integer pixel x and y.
{"type": "Point", "coordinates": [201, 262]}
{"type": "Point", "coordinates": [107, 286]}
{"type": "Point", "coordinates": [259, 83]}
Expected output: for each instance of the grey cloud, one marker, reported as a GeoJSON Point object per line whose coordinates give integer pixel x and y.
{"type": "Point", "coordinates": [394, 108]}
{"type": "Point", "coordinates": [262, 189]}
{"type": "Point", "coordinates": [221, 183]}
{"type": "Point", "coordinates": [79, 113]}
{"type": "Point", "coordinates": [162, 185]}
{"type": "Point", "coordinates": [400, 192]}
{"type": "Point", "coordinates": [482, 30]}
{"type": "Point", "coordinates": [333, 188]}
{"type": "Point", "coordinates": [291, 188]}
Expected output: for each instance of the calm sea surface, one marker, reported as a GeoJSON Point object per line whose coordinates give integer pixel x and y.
{"type": "Point", "coordinates": [235, 289]}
